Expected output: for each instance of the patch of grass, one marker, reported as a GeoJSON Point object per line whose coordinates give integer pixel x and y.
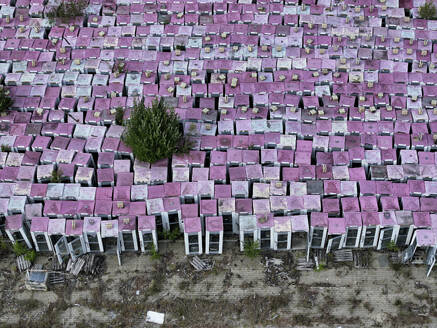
{"type": "Point", "coordinates": [154, 133]}
{"type": "Point", "coordinates": [398, 302]}
{"type": "Point", "coordinates": [321, 267]}
{"type": "Point", "coordinates": [368, 306]}
{"type": "Point", "coordinates": [4, 246]}
{"type": "Point", "coordinates": [170, 235]}
{"type": "Point", "coordinates": [67, 11]}
{"type": "Point", "coordinates": [154, 254]}
{"type": "Point", "coordinates": [29, 304]}
{"type": "Point", "coordinates": [392, 247]}
{"type": "Point", "coordinates": [184, 285]}
{"type": "Point", "coordinates": [428, 11]}
{"type": "Point", "coordinates": [5, 148]}
{"type": "Point", "coordinates": [251, 248]}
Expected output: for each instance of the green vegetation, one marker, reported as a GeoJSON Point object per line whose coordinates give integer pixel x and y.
{"type": "Point", "coordinates": [170, 235]}
{"type": "Point", "coordinates": [5, 101]}
{"type": "Point", "coordinates": [428, 11]}
{"type": "Point", "coordinates": [321, 267]}
{"type": "Point", "coordinates": [56, 176]}
{"type": "Point", "coordinates": [119, 67]}
{"type": "Point", "coordinates": [251, 248]}
{"type": "Point", "coordinates": [154, 254]}
{"type": "Point", "coordinates": [119, 113]}
{"type": "Point", "coordinates": [66, 11]}
{"type": "Point", "coordinates": [392, 247]}
{"type": "Point", "coordinates": [5, 148]}
{"type": "Point", "coordinates": [21, 249]}
{"type": "Point", "coordinates": [153, 133]}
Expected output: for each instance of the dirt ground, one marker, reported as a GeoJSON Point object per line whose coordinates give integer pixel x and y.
{"type": "Point", "coordinates": [237, 292]}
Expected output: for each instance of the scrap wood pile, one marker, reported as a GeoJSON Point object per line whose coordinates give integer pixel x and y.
{"type": "Point", "coordinates": [202, 265]}
{"type": "Point", "coordinates": [279, 273]}
{"type": "Point", "coordinates": [361, 259]}
{"type": "Point", "coordinates": [88, 264]}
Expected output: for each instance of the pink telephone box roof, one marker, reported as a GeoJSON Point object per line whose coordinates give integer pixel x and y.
{"type": "Point", "coordinates": [91, 224]}
{"type": "Point", "coordinates": [319, 219]}
{"type": "Point", "coordinates": [56, 227]}
{"type": "Point", "coordinates": [146, 222]}
{"type": "Point", "coordinates": [127, 223]}
{"type": "Point", "coordinates": [282, 223]}
{"type": "Point", "coordinates": [14, 222]}
{"type": "Point", "coordinates": [421, 219]}
{"type": "Point", "coordinates": [264, 220]}
{"type": "Point", "coordinates": [336, 226]}
{"type": "Point", "coordinates": [425, 238]}
{"type": "Point", "coordinates": [109, 228]}
{"type": "Point", "coordinates": [299, 223]}
{"type": "Point", "coordinates": [39, 224]}
{"type": "Point", "coordinates": [353, 219]}
{"type": "Point", "coordinates": [192, 225]}
{"type": "Point", "coordinates": [214, 223]}
{"type": "Point", "coordinates": [74, 227]}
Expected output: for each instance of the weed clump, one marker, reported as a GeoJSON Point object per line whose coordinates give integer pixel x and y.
{"type": "Point", "coordinates": [251, 248]}
{"type": "Point", "coordinates": [56, 176]}
{"type": "Point", "coordinates": [20, 249]}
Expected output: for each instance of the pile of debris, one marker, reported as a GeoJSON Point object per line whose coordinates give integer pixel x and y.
{"type": "Point", "coordinates": [201, 265]}
{"type": "Point", "coordinates": [279, 272]}
{"type": "Point", "coordinates": [89, 264]}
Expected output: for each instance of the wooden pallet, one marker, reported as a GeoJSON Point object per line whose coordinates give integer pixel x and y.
{"type": "Point", "coordinates": [343, 255]}
{"type": "Point", "coordinates": [303, 265]}
{"type": "Point", "coordinates": [200, 265]}
{"type": "Point", "coordinates": [361, 259]}
{"type": "Point", "coordinates": [23, 264]}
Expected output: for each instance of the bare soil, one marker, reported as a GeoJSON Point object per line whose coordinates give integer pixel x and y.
{"type": "Point", "coordinates": [237, 292]}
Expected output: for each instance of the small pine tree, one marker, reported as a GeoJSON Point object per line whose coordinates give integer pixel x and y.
{"type": "Point", "coordinates": [153, 133]}
{"type": "Point", "coordinates": [119, 113]}
{"type": "Point", "coordinates": [5, 101]}
{"type": "Point", "coordinates": [66, 11]}
{"type": "Point", "coordinates": [428, 11]}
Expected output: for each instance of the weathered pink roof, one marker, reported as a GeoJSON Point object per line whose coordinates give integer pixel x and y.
{"type": "Point", "coordinates": [56, 226]}
{"type": "Point", "coordinates": [214, 223]}
{"type": "Point", "coordinates": [336, 226]}
{"type": "Point", "coordinates": [264, 220]}
{"type": "Point", "coordinates": [14, 222]}
{"type": "Point", "coordinates": [127, 223]}
{"type": "Point", "coordinates": [146, 222]}
{"type": "Point", "coordinates": [425, 237]}
{"type": "Point", "coordinates": [353, 219]}
{"type": "Point", "coordinates": [282, 223]}
{"type": "Point", "coordinates": [192, 225]}
{"type": "Point", "coordinates": [299, 223]}
{"type": "Point", "coordinates": [319, 219]}
{"type": "Point", "coordinates": [91, 224]}
{"type": "Point", "coordinates": [39, 224]}
{"type": "Point", "coordinates": [109, 228]}
{"type": "Point", "coordinates": [74, 227]}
